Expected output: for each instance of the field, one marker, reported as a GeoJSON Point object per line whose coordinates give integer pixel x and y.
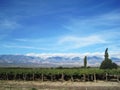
{"type": "Point", "coordinates": [55, 74]}
{"type": "Point", "coordinates": [59, 79]}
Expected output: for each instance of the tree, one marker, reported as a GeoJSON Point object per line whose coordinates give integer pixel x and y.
{"type": "Point", "coordinates": [106, 54]}
{"type": "Point", "coordinates": [107, 63]}
{"type": "Point", "coordinates": [114, 65]}
{"type": "Point", "coordinates": [85, 62]}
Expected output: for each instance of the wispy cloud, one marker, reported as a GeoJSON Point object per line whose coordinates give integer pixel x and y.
{"type": "Point", "coordinates": [8, 24]}
{"type": "Point", "coordinates": [73, 42]}
{"type": "Point", "coordinates": [99, 29]}
{"type": "Point", "coordinates": [30, 40]}
{"type": "Point", "coordinates": [94, 24]}
{"type": "Point", "coordinates": [24, 47]}
{"type": "Point", "coordinates": [72, 26]}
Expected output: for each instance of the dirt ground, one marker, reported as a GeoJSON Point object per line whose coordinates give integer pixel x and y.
{"type": "Point", "coordinates": [37, 85]}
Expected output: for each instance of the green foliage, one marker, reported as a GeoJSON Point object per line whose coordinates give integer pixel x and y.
{"type": "Point", "coordinates": [114, 65]}
{"type": "Point", "coordinates": [107, 63]}
{"type": "Point", "coordinates": [27, 73]}
{"type": "Point", "coordinates": [106, 54]}
{"type": "Point", "coordinates": [34, 89]}
{"type": "Point", "coordinates": [85, 62]}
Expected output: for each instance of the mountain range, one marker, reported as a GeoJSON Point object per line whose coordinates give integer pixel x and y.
{"type": "Point", "coordinates": [50, 61]}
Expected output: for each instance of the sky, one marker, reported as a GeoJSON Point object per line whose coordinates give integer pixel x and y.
{"type": "Point", "coordinates": [59, 26]}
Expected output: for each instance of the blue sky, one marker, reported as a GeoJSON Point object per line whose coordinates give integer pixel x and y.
{"type": "Point", "coordinates": [59, 26]}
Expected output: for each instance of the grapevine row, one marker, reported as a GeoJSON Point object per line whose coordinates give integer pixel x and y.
{"type": "Point", "coordinates": [54, 74]}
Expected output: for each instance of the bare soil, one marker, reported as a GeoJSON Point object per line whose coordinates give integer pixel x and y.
{"type": "Point", "coordinates": [38, 85]}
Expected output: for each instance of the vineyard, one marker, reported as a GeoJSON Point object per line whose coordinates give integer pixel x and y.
{"type": "Point", "coordinates": [55, 74]}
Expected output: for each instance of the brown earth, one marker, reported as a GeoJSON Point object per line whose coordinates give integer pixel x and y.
{"type": "Point", "coordinates": [37, 85]}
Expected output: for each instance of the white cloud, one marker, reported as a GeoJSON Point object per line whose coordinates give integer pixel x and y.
{"type": "Point", "coordinates": [98, 23]}
{"type": "Point", "coordinates": [100, 29]}
{"type": "Point", "coordinates": [24, 47]}
{"type": "Point", "coordinates": [74, 42]}
{"type": "Point", "coordinates": [6, 27]}
{"type": "Point", "coordinates": [30, 40]}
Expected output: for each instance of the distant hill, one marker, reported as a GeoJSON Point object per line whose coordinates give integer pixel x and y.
{"type": "Point", "coordinates": [49, 61]}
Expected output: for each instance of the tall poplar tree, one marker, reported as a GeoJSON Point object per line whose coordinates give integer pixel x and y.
{"type": "Point", "coordinates": [85, 62]}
